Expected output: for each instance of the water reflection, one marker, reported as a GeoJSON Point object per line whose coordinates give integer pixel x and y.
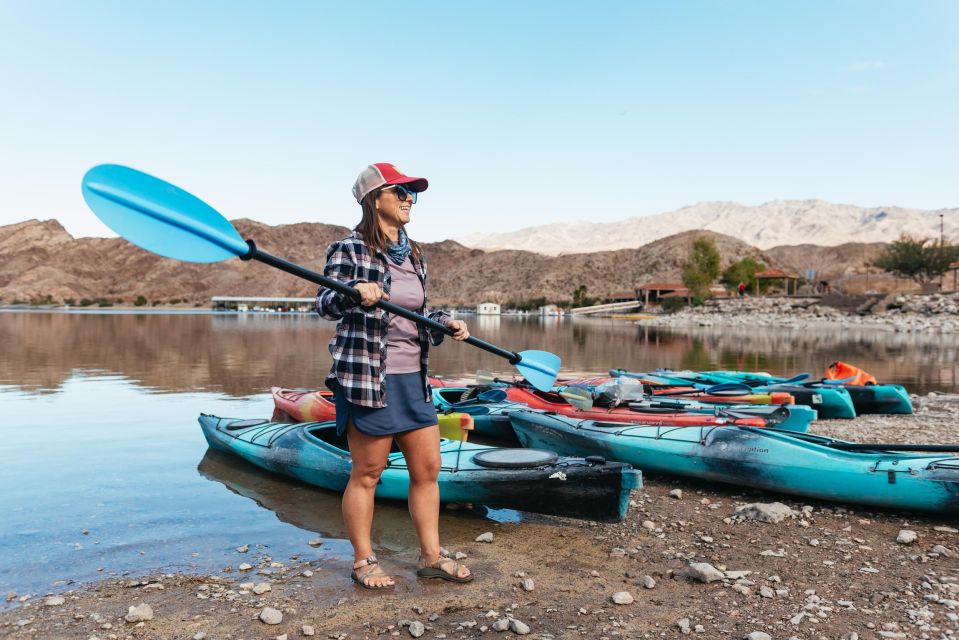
{"type": "Point", "coordinates": [243, 354]}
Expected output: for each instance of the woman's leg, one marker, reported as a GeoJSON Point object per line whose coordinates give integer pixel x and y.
{"type": "Point", "coordinates": [421, 448]}
{"type": "Point", "coordinates": [369, 454]}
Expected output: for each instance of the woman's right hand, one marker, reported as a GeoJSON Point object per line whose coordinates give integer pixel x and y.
{"type": "Point", "coordinates": [370, 293]}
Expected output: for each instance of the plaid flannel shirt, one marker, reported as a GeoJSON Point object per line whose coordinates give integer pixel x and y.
{"type": "Point", "coordinates": [359, 346]}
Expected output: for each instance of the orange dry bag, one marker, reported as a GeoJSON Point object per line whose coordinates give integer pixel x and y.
{"type": "Point", "coordinates": [842, 371]}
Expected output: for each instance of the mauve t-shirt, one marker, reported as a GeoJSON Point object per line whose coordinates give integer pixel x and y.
{"type": "Point", "coordinates": [402, 336]}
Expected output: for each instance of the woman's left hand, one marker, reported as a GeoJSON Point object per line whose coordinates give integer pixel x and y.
{"type": "Point", "coordinates": [461, 332]}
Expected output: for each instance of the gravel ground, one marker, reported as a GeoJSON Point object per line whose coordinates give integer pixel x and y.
{"type": "Point", "coordinates": [824, 571]}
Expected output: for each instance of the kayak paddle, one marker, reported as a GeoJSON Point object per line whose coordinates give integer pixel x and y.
{"type": "Point", "coordinates": [163, 219]}
{"type": "Point", "coordinates": [580, 398]}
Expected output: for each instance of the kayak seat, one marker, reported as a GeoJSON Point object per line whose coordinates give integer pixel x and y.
{"type": "Point", "coordinates": [245, 424]}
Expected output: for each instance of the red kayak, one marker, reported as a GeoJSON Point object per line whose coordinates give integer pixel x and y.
{"type": "Point", "coordinates": [550, 401]}
{"type": "Point", "coordinates": [304, 406]}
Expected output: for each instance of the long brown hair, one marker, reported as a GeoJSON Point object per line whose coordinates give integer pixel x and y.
{"type": "Point", "coordinates": [370, 229]}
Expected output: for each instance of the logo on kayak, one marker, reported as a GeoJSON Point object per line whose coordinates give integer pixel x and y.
{"type": "Point", "coordinates": [725, 446]}
{"type": "Point", "coordinates": [817, 398]}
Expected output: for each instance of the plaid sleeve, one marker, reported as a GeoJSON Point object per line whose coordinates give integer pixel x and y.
{"type": "Point", "coordinates": [340, 265]}
{"type": "Point", "coordinates": [436, 337]}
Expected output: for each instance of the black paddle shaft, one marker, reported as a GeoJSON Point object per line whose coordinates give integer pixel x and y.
{"type": "Point", "coordinates": [345, 289]}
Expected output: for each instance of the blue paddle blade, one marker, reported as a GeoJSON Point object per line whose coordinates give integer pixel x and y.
{"type": "Point", "coordinates": [539, 368]}
{"type": "Point", "coordinates": [728, 387]}
{"type": "Point", "coordinates": [492, 395]}
{"type": "Point", "coordinates": [794, 379]}
{"type": "Point", "coordinates": [159, 217]}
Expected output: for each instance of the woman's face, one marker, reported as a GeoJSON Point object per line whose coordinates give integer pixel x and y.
{"type": "Point", "coordinates": [391, 209]}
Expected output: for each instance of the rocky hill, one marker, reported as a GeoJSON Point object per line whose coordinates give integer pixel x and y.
{"type": "Point", "coordinates": [41, 259]}
{"type": "Point", "coordinates": [782, 222]}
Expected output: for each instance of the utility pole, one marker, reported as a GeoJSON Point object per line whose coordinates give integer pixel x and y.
{"type": "Point", "coordinates": [941, 245]}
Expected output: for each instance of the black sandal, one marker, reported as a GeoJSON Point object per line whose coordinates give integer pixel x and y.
{"type": "Point", "coordinates": [436, 570]}
{"type": "Point", "coordinates": [375, 572]}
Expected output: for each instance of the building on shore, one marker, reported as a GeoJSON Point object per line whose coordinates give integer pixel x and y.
{"type": "Point", "coordinates": [488, 309]}
{"type": "Point", "coordinates": [550, 310]}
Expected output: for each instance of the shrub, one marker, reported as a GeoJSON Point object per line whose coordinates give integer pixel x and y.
{"type": "Point", "coordinates": [86, 302]}
{"type": "Point", "coordinates": [672, 305]}
{"type": "Point", "coordinates": [140, 301]}
{"type": "Point", "coordinates": [920, 260]}
{"type": "Point", "coordinates": [701, 267]}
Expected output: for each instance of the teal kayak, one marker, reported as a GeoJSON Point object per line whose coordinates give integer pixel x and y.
{"type": "Point", "coordinates": [782, 461]}
{"type": "Point", "coordinates": [866, 398]}
{"type": "Point", "coordinates": [523, 479]}
{"type": "Point", "coordinates": [491, 419]}
{"type": "Point", "coordinates": [829, 402]}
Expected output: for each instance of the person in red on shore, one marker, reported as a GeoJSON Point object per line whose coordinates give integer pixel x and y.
{"type": "Point", "coordinates": [378, 376]}
{"type": "Point", "coordinates": [741, 289]}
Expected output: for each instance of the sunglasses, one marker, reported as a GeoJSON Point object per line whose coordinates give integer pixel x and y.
{"type": "Point", "coordinates": [402, 192]}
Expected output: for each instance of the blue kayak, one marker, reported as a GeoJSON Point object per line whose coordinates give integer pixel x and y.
{"type": "Point", "coordinates": [538, 481]}
{"type": "Point", "coordinates": [782, 461]}
{"type": "Point", "coordinates": [866, 398]}
{"type": "Point", "coordinates": [829, 402]}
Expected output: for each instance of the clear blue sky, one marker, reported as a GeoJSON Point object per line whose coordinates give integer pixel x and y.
{"type": "Point", "coordinates": [519, 113]}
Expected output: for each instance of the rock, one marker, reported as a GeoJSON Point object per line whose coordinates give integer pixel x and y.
{"type": "Point", "coordinates": [262, 588]}
{"type": "Point", "coordinates": [53, 601]}
{"type": "Point", "coordinates": [244, 566]}
{"type": "Point", "coordinates": [758, 635]}
{"type": "Point", "coordinates": [766, 592]}
{"type": "Point", "coordinates": [528, 584]}
{"type": "Point", "coordinates": [906, 536]}
{"type": "Point", "coordinates": [702, 571]}
{"type": "Point", "coordinates": [518, 627]}
{"type": "Point", "coordinates": [315, 542]}
{"type": "Point", "coordinates": [500, 625]}
{"type": "Point", "coordinates": [773, 512]}
{"type": "Point", "coordinates": [139, 613]}
{"type": "Point", "coordinates": [485, 537]}
{"type": "Point", "coordinates": [623, 597]}
{"type": "Point", "coordinates": [459, 555]}
{"type": "Point", "coordinates": [307, 573]}
{"type": "Point", "coordinates": [308, 630]}
{"type": "Point", "coordinates": [243, 549]}
{"type": "Point", "coordinates": [945, 529]}
{"type": "Point", "coordinates": [270, 615]}
{"type": "Point", "coordinates": [941, 550]}
{"type": "Point", "coordinates": [199, 635]}
{"type": "Point", "coordinates": [649, 524]}
{"type": "Point", "coordinates": [676, 493]}
{"type": "Point", "coordinates": [282, 636]}
{"type": "Point", "coordinates": [648, 582]}
{"type": "Point", "coordinates": [736, 575]}
{"type": "Point", "coordinates": [417, 628]}
{"type": "Point", "coordinates": [683, 624]}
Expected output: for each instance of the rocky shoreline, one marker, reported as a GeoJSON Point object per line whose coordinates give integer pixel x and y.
{"type": "Point", "coordinates": [709, 560]}
{"type": "Point", "coordinates": [895, 312]}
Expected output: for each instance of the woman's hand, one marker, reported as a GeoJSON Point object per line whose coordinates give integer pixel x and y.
{"type": "Point", "coordinates": [371, 293]}
{"type": "Point", "coordinates": [460, 330]}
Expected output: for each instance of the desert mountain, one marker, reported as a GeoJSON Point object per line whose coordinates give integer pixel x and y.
{"type": "Point", "coordinates": [782, 222]}
{"type": "Point", "coordinates": [39, 259]}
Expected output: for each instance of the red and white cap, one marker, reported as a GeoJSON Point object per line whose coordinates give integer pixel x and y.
{"type": "Point", "coordinates": [381, 174]}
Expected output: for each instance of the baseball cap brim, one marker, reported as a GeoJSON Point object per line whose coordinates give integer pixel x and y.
{"type": "Point", "coordinates": [414, 184]}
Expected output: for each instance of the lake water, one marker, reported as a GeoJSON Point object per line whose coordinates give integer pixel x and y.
{"type": "Point", "coordinates": [105, 471]}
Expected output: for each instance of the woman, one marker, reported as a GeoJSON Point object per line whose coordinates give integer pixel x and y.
{"type": "Point", "coordinates": [379, 369]}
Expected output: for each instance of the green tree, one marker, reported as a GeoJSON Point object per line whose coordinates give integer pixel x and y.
{"type": "Point", "coordinates": [919, 259]}
{"type": "Point", "coordinates": [580, 299]}
{"type": "Point", "coordinates": [701, 267]}
{"type": "Point", "coordinates": [140, 301]}
{"type": "Point", "coordinates": [743, 271]}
